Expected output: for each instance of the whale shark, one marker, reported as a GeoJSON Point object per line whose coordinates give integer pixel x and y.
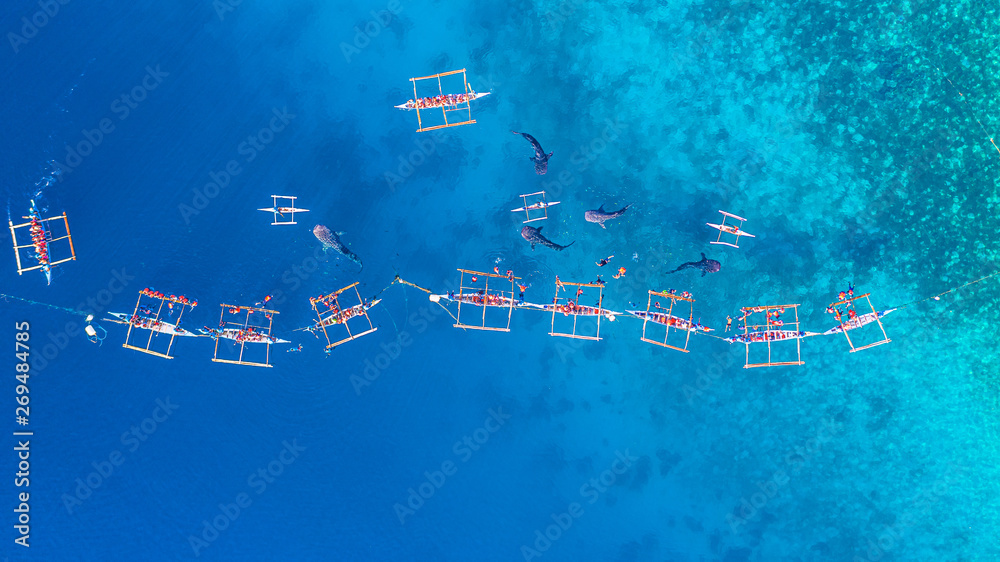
{"type": "Point", "coordinates": [534, 235]}
{"type": "Point", "coordinates": [331, 241]}
{"type": "Point", "coordinates": [540, 159]}
{"type": "Point", "coordinates": [600, 215]}
{"type": "Point", "coordinates": [705, 265]}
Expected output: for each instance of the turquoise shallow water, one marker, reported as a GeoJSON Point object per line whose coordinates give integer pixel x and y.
{"type": "Point", "coordinates": [838, 130]}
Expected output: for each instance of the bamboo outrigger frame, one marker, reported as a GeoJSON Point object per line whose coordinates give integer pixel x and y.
{"type": "Point", "coordinates": [851, 325]}
{"type": "Point", "coordinates": [335, 315]}
{"type": "Point", "coordinates": [153, 322]}
{"type": "Point", "coordinates": [772, 327]}
{"type": "Point", "coordinates": [587, 311]}
{"type": "Point", "coordinates": [669, 311]}
{"type": "Point", "coordinates": [265, 331]}
{"type": "Point", "coordinates": [288, 206]}
{"type": "Point", "coordinates": [481, 297]}
{"type": "Point", "coordinates": [734, 229]}
{"type": "Point", "coordinates": [49, 239]}
{"type": "Point", "coordinates": [461, 107]}
{"type": "Point", "coordinates": [541, 205]}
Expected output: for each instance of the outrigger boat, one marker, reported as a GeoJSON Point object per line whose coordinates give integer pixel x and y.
{"type": "Point", "coordinates": [281, 210]}
{"type": "Point", "coordinates": [771, 331]}
{"type": "Point", "coordinates": [857, 322]}
{"type": "Point", "coordinates": [331, 312]}
{"type": "Point", "coordinates": [252, 324]}
{"type": "Point", "coordinates": [151, 318]}
{"type": "Point", "coordinates": [477, 291]}
{"type": "Point", "coordinates": [452, 106]}
{"type": "Point", "coordinates": [664, 316]}
{"type": "Point", "coordinates": [540, 205]}
{"type": "Point", "coordinates": [342, 316]}
{"type": "Point", "coordinates": [41, 242]}
{"type": "Point", "coordinates": [571, 308]}
{"type": "Point", "coordinates": [735, 230]}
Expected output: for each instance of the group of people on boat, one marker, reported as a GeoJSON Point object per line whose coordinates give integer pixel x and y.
{"type": "Point", "coordinates": [571, 307]}
{"type": "Point", "coordinates": [539, 205]}
{"type": "Point", "coordinates": [846, 297]}
{"type": "Point", "coordinates": [665, 319]}
{"type": "Point", "coordinates": [251, 335]}
{"type": "Point", "coordinates": [340, 316]}
{"type": "Point", "coordinates": [440, 100]}
{"type": "Point", "coordinates": [774, 316]}
{"type": "Point", "coordinates": [769, 335]}
{"type": "Point", "coordinates": [145, 323]}
{"type": "Point", "coordinates": [482, 298]}
{"type": "Point", "coordinates": [39, 240]}
{"type": "Point", "coordinates": [496, 269]}
{"type": "Point", "coordinates": [673, 292]}
{"type": "Point", "coordinates": [181, 299]}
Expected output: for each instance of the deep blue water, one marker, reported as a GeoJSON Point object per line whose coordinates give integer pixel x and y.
{"type": "Point", "coordinates": [833, 129]}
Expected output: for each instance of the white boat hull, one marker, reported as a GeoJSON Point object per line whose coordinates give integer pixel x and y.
{"type": "Point", "coordinates": [145, 324]}
{"type": "Point", "coordinates": [535, 207]}
{"type": "Point", "coordinates": [282, 210]}
{"type": "Point", "coordinates": [231, 334]}
{"type": "Point", "coordinates": [858, 322]}
{"type": "Point", "coordinates": [728, 231]}
{"type": "Point", "coordinates": [677, 324]}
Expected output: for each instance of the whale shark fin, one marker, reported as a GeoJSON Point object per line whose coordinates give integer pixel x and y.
{"type": "Point", "coordinates": [602, 225]}
{"type": "Point", "coordinates": [703, 256]}
{"type": "Point", "coordinates": [539, 229]}
{"type": "Point", "coordinates": [601, 209]}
